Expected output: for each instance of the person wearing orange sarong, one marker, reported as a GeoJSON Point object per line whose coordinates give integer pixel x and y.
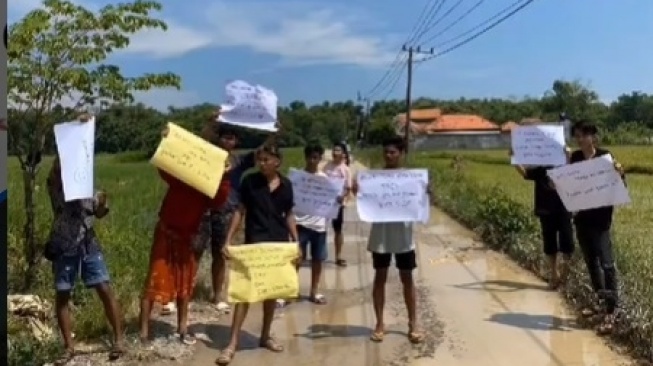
{"type": "Point", "coordinates": [173, 263]}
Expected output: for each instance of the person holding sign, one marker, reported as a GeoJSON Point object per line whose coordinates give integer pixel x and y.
{"type": "Point", "coordinates": [73, 249]}
{"type": "Point", "coordinates": [388, 240]}
{"type": "Point", "coordinates": [173, 262]}
{"type": "Point", "coordinates": [338, 167]}
{"type": "Point", "coordinates": [312, 229]}
{"type": "Point", "coordinates": [266, 204]}
{"type": "Point", "coordinates": [593, 229]}
{"type": "Point", "coordinates": [215, 223]}
{"type": "Point", "coordinates": [555, 220]}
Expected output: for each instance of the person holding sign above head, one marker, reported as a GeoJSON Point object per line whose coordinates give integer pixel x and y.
{"type": "Point", "coordinates": [555, 220]}
{"type": "Point", "coordinates": [215, 222]}
{"type": "Point", "coordinates": [312, 229]}
{"type": "Point", "coordinates": [388, 240]}
{"type": "Point", "coordinates": [266, 204]}
{"type": "Point", "coordinates": [173, 262]}
{"type": "Point", "coordinates": [73, 249]}
{"type": "Point", "coordinates": [593, 228]}
{"type": "Point", "coordinates": [338, 167]}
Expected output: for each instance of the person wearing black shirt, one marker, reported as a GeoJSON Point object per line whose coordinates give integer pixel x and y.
{"type": "Point", "coordinates": [555, 221]}
{"type": "Point", "coordinates": [593, 232]}
{"type": "Point", "coordinates": [266, 203]}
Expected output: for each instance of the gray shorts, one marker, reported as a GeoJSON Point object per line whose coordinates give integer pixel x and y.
{"type": "Point", "coordinates": [213, 232]}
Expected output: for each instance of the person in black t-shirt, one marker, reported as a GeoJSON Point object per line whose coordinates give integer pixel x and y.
{"type": "Point", "coordinates": [593, 232]}
{"type": "Point", "coordinates": [555, 221]}
{"type": "Point", "coordinates": [266, 205]}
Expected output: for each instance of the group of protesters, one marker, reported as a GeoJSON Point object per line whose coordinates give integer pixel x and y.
{"type": "Point", "coordinates": [592, 226]}
{"type": "Point", "coordinates": [190, 223]}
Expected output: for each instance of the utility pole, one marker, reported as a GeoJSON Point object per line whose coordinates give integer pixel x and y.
{"type": "Point", "coordinates": [365, 121]}
{"type": "Point", "coordinates": [409, 86]}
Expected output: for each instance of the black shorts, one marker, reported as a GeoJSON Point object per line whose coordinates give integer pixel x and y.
{"type": "Point", "coordinates": [337, 222]}
{"type": "Point", "coordinates": [557, 234]}
{"type": "Point", "coordinates": [213, 232]}
{"type": "Point", "coordinates": [403, 261]}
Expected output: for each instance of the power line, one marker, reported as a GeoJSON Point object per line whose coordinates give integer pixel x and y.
{"type": "Point", "coordinates": [455, 22]}
{"type": "Point", "coordinates": [393, 80]}
{"type": "Point", "coordinates": [431, 14]}
{"type": "Point", "coordinates": [483, 31]}
{"type": "Point", "coordinates": [411, 35]}
{"type": "Point", "coordinates": [435, 23]}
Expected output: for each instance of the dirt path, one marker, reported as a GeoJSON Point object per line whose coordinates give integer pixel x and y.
{"type": "Point", "coordinates": [478, 307]}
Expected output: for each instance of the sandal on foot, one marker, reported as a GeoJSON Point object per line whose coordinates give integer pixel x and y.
{"type": "Point", "coordinates": [588, 312]}
{"type": "Point", "coordinates": [65, 358]}
{"type": "Point", "coordinates": [116, 352]}
{"type": "Point", "coordinates": [187, 339]}
{"type": "Point", "coordinates": [318, 299]}
{"type": "Point", "coordinates": [607, 326]}
{"type": "Point", "coordinates": [377, 336]}
{"type": "Point", "coordinates": [225, 357]}
{"type": "Point", "coordinates": [415, 337]}
{"type": "Point", "coordinates": [341, 263]}
{"type": "Point", "coordinates": [271, 345]}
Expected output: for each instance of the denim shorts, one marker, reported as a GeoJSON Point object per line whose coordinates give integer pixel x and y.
{"type": "Point", "coordinates": [316, 240]}
{"type": "Point", "coordinates": [92, 268]}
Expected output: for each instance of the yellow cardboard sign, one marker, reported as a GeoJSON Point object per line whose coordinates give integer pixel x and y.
{"type": "Point", "coordinates": [191, 159]}
{"type": "Point", "coordinates": [263, 271]}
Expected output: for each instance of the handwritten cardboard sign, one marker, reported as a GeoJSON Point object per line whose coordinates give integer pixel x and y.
{"type": "Point", "coordinates": [538, 145]}
{"type": "Point", "coordinates": [316, 195]}
{"type": "Point", "coordinates": [76, 149]}
{"type": "Point", "coordinates": [590, 184]}
{"type": "Point", "coordinates": [191, 159]}
{"type": "Point", "coordinates": [393, 195]}
{"type": "Point", "coordinates": [251, 106]}
{"type": "Point", "coordinates": [262, 271]}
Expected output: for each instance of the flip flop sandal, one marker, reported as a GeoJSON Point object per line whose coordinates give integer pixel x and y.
{"type": "Point", "coordinates": [271, 345]}
{"type": "Point", "coordinates": [318, 299]}
{"type": "Point", "coordinates": [588, 312]}
{"type": "Point", "coordinates": [65, 358]}
{"type": "Point", "coordinates": [187, 339]}
{"type": "Point", "coordinates": [116, 353]}
{"type": "Point", "coordinates": [377, 337]}
{"type": "Point", "coordinates": [341, 263]}
{"type": "Point", "coordinates": [225, 357]}
{"type": "Point", "coordinates": [607, 327]}
{"type": "Point", "coordinates": [415, 337]}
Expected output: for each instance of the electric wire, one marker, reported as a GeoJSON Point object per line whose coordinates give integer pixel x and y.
{"type": "Point", "coordinates": [455, 22]}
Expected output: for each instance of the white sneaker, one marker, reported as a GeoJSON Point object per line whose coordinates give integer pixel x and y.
{"type": "Point", "coordinates": [169, 308]}
{"type": "Point", "coordinates": [223, 307]}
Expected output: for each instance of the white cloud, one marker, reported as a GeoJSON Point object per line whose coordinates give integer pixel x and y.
{"type": "Point", "coordinates": [299, 33]}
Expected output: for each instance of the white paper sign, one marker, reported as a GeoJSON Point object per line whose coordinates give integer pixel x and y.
{"type": "Point", "coordinates": [76, 147]}
{"type": "Point", "coordinates": [393, 196]}
{"type": "Point", "coordinates": [539, 145]}
{"type": "Point", "coordinates": [316, 195]}
{"type": "Point", "coordinates": [590, 184]}
{"type": "Point", "coordinates": [251, 106]}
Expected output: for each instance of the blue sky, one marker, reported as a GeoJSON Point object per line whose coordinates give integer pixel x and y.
{"type": "Point", "coordinates": [328, 50]}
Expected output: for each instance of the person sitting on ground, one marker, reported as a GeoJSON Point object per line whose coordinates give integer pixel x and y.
{"type": "Point", "coordinates": [266, 204]}
{"type": "Point", "coordinates": [173, 262]}
{"type": "Point", "coordinates": [388, 240]}
{"type": "Point", "coordinates": [593, 231]}
{"type": "Point", "coordinates": [338, 167]}
{"type": "Point", "coordinates": [74, 249]}
{"type": "Point", "coordinates": [555, 221]}
{"type": "Point", "coordinates": [312, 229]}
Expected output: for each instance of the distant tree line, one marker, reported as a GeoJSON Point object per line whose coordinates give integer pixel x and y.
{"type": "Point", "coordinates": [628, 120]}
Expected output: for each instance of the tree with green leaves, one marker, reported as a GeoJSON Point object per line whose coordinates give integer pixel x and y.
{"type": "Point", "coordinates": [57, 68]}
